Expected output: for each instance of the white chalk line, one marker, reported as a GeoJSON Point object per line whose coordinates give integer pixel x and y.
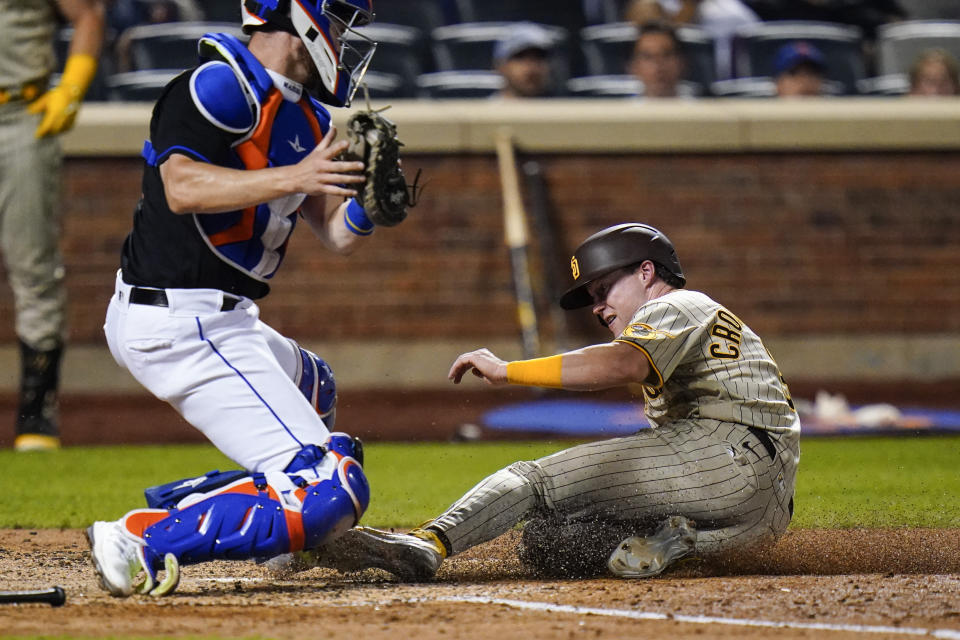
{"type": "Point", "coordinates": [944, 634]}
{"type": "Point", "coordinates": [948, 634]}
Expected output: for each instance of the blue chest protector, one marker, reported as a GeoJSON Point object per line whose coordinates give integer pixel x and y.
{"type": "Point", "coordinates": [234, 92]}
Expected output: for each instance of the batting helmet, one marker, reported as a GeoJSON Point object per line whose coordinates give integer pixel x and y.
{"type": "Point", "coordinates": [613, 248]}
{"type": "Point", "coordinates": [341, 66]}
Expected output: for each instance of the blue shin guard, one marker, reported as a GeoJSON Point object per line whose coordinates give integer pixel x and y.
{"type": "Point", "coordinates": [264, 515]}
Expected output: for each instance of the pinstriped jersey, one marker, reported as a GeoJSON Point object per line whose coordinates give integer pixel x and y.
{"type": "Point", "coordinates": [706, 363]}
{"type": "Point", "coordinates": [26, 41]}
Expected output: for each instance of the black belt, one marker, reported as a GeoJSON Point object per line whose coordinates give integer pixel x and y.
{"type": "Point", "coordinates": [158, 298]}
{"type": "Point", "coordinates": [28, 91]}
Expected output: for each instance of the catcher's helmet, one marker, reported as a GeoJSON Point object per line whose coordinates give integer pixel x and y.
{"type": "Point", "coordinates": [341, 66]}
{"type": "Point", "coordinates": [613, 248]}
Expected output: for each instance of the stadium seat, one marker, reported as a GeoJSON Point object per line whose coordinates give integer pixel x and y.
{"type": "Point", "coordinates": [621, 86]}
{"type": "Point", "coordinates": [221, 10]}
{"type": "Point", "coordinates": [469, 46]}
{"type": "Point", "coordinates": [425, 15]}
{"type": "Point", "coordinates": [763, 87]}
{"type": "Point", "coordinates": [608, 86]}
{"type": "Point", "coordinates": [384, 85]}
{"type": "Point", "coordinates": [895, 84]}
{"type": "Point", "coordinates": [899, 44]}
{"type": "Point", "coordinates": [755, 47]}
{"type": "Point", "coordinates": [561, 13]}
{"type": "Point", "coordinates": [138, 86]}
{"type": "Point", "coordinates": [607, 49]}
{"type": "Point", "coordinates": [459, 84]}
{"type": "Point", "coordinates": [402, 52]}
{"type": "Point", "coordinates": [170, 45]}
{"type": "Point", "coordinates": [931, 9]}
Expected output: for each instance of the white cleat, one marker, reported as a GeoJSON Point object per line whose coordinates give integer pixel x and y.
{"type": "Point", "coordinates": [638, 557]}
{"type": "Point", "coordinates": [118, 559]}
{"type": "Point", "coordinates": [114, 557]}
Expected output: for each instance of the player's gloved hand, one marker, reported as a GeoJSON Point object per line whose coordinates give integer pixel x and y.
{"type": "Point", "coordinates": [385, 196]}
{"type": "Point", "coordinates": [59, 105]}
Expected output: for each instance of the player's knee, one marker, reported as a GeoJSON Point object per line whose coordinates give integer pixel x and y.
{"type": "Point", "coordinates": [317, 384]}
{"type": "Point", "coordinates": [332, 506]}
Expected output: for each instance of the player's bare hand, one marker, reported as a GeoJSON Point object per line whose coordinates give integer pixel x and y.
{"type": "Point", "coordinates": [481, 363]}
{"type": "Point", "coordinates": [321, 173]}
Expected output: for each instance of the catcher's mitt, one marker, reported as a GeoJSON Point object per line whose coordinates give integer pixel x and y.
{"type": "Point", "coordinates": [385, 195]}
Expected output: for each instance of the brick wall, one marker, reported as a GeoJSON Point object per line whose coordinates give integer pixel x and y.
{"type": "Point", "coordinates": [795, 243]}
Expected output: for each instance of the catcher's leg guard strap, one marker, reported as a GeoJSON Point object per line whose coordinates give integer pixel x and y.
{"type": "Point", "coordinates": [167, 496]}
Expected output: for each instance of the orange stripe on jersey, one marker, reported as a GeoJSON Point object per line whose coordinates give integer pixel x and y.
{"type": "Point", "coordinates": [253, 153]}
{"type": "Point", "coordinates": [240, 232]}
{"type": "Point", "coordinates": [312, 119]}
{"type": "Point", "coordinates": [136, 522]}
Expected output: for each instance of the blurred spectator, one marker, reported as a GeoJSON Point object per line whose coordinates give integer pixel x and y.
{"type": "Point", "coordinates": [124, 14]}
{"type": "Point", "coordinates": [719, 18]}
{"type": "Point", "coordinates": [658, 61]}
{"type": "Point", "coordinates": [935, 73]}
{"type": "Point", "coordinates": [799, 70]}
{"type": "Point", "coordinates": [866, 14]}
{"type": "Point", "coordinates": [522, 57]}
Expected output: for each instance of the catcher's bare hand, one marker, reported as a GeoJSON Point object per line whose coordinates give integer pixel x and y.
{"type": "Point", "coordinates": [319, 173]}
{"type": "Point", "coordinates": [483, 364]}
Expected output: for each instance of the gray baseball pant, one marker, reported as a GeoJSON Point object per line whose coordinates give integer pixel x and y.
{"type": "Point", "coordinates": [30, 226]}
{"type": "Point", "coordinates": [716, 473]}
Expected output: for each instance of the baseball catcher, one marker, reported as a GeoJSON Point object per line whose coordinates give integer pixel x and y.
{"type": "Point", "coordinates": [241, 151]}
{"type": "Point", "coordinates": [716, 471]}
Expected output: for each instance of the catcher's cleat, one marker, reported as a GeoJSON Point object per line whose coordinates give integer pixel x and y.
{"type": "Point", "coordinates": [36, 442]}
{"type": "Point", "coordinates": [119, 559]}
{"type": "Point", "coordinates": [114, 557]}
{"type": "Point", "coordinates": [638, 557]}
{"type": "Point", "coordinates": [412, 557]}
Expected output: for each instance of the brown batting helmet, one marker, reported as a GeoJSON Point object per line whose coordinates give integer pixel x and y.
{"type": "Point", "coordinates": [613, 248]}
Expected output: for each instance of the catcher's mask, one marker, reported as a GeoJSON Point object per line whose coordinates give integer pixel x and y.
{"type": "Point", "coordinates": [322, 25]}
{"type": "Point", "coordinates": [613, 248]}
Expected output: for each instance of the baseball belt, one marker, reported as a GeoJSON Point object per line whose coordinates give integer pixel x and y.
{"type": "Point", "coordinates": [28, 91]}
{"type": "Point", "coordinates": [158, 298]}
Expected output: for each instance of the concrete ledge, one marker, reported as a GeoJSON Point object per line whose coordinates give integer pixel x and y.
{"type": "Point", "coordinates": [610, 126]}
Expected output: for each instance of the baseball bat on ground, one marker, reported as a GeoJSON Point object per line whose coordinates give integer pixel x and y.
{"type": "Point", "coordinates": [516, 238]}
{"type": "Point", "coordinates": [55, 597]}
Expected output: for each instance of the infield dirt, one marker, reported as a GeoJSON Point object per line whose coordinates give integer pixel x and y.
{"type": "Point", "coordinates": [901, 578]}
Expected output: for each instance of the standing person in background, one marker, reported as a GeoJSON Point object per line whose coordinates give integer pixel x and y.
{"type": "Point", "coordinates": [32, 116]}
{"type": "Point", "coordinates": [658, 61]}
{"type": "Point", "coordinates": [935, 73]}
{"type": "Point", "coordinates": [798, 70]}
{"type": "Point", "coordinates": [522, 58]}
{"type": "Point", "coordinates": [719, 18]}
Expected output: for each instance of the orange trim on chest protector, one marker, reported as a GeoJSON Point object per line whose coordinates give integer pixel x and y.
{"type": "Point", "coordinates": [254, 153]}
